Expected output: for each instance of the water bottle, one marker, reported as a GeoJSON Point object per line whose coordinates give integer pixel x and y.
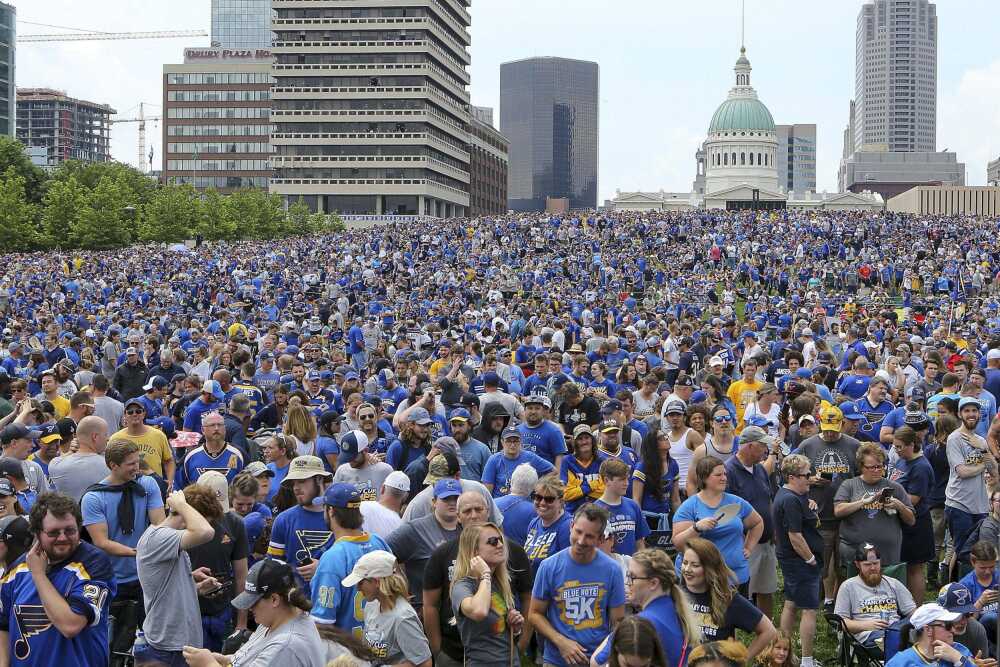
{"type": "Point", "coordinates": [140, 642]}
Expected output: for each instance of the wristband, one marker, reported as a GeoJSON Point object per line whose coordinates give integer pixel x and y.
{"type": "Point", "coordinates": [812, 560]}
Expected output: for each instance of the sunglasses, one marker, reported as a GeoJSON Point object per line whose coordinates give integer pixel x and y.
{"type": "Point", "coordinates": [947, 625]}
{"type": "Point", "coordinates": [366, 416]}
{"type": "Point", "coordinates": [722, 419]}
{"type": "Point", "coordinates": [494, 541]}
{"type": "Point", "coordinates": [134, 412]}
{"type": "Point", "coordinates": [537, 498]}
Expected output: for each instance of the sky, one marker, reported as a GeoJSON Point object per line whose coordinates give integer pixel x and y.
{"type": "Point", "coordinates": [665, 65]}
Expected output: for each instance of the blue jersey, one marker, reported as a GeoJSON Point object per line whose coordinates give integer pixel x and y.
{"type": "Point", "coordinates": [198, 461]}
{"type": "Point", "coordinates": [581, 598]}
{"type": "Point", "coordinates": [542, 542]}
{"type": "Point", "coordinates": [910, 658]}
{"type": "Point", "coordinates": [627, 524]}
{"type": "Point", "coordinates": [253, 393]}
{"type": "Point", "coordinates": [332, 601]}
{"type": "Point", "coordinates": [873, 415]}
{"type": "Point", "coordinates": [670, 478]}
{"type": "Point", "coordinates": [299, 534]}
{"type": "Point", "coordinates": [87, 583]}
{"type": "Point", "coordinates": [546, 440]}
{"type": "Point", "coordinates": [499, 469]}
{"type": "Point", "coordinates": [153, 407]}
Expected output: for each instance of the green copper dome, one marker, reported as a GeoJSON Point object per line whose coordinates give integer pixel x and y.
{"type": "Point", "coordinates": [741, 113]}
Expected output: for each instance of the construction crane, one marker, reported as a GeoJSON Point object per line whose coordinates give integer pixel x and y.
{"type": "Point", "coordinates": [85, 36]}
{"type": "Point", "coordinates": [141, 119]}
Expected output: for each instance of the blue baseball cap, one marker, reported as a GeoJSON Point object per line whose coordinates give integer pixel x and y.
{"type": "Point", "coordinates": [341, 495]}
{"type": "Point", "coordinates": [957, 599]}
{"type": "Point", "coordinates": [292, 350]}
{"type": "Point", "coordinates": [214, 388]}
{"type": "Point", "coordinates": [851, 411]}
{"type": "Point", "coordinates": [491, 379]}
{"type": "Point", "coordinates": [351, 445]}
{"type": "Point", "coordinates": [266, 356]}
{"type": "Point", "coordinates": [969, 400]}
{"type": "Point", "coordinates": [419, 416]}
{"type": "Point", "coordinates": [804, 372]}
{"type": "Point", "coordinates": [459, 414]}
{"type": "Point", "coordinates": [313, 375]}
{"type": "Point", "coordinates": [698, 397]}
{"type": "Point", "coordinates": [446, 488]}
{"type": "Point", "coordinates": [351, 376]}
{"type": "Point", "coordinates": [326, 375]}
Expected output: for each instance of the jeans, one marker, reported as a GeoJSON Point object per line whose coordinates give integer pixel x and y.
{"type": "Point", "coordinates": [158, 657]}
{"type": "Point", "coordinates": [216, 628]}
{"type": "Point", "coordinates": [960, 524]}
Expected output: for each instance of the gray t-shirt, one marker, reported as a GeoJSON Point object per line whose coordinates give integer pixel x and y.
{"type": "Point", "coordinates": [420, 506]}
{"type": "Point", "coordinates": [967, 494]}
{"type": "Point", "coordinates": [110, 411]}
{"type": "Point", "coordinates": [35, 476]}
{"type": "Point", "coordinates": [413, 543]}
{"type": "Point", "coordinates": [836, 460]}
{"type": "Point", "coordinates": [888, 601]}
{"type": "Point", "coordinates": [395, 635]}
{"type": "Point", "coordinates": [295, 644]}
{"type": "Point", "coordinates": [73, 473]}
{"type": "Point", "coordinates": [871, 523]}
{"type": "Point", "coordinates": [172, 612]}
{"type": "Point", "coordinates": [368, 479]}
{"type": "Point", "coordinates": [486, 642]}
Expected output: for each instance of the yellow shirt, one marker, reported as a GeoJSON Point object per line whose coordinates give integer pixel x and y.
{"type": "Point", "coordinates": [153, 446]}
{"type": "Point", "coordinates": [742, 394]}
{"type": "Point", "coordinates": [61, 405]}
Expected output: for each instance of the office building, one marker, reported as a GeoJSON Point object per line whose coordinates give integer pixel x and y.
{"type": "Point", "coordinates": [948, 200]}
{"type": "Point", "coordinates": [549, 111]}
{"type": "Point", "coordinates": [993, 172]}
{"type": "Point", "coordinates": [483, 115]}
{"type": "Point", "coordinates": [891, 174]}
{"type": "Point", "coordinates": [241, 24]}
{"type": "Point", "coordinates": [371, 106]}
{"type": "Point", "coordinates": [796, 157]}
{"type": "Point", "coordinates": [488, 150]}
{"type": "Point", "coordinates": [896, 76]}
{"type": "Point", "coordinates": [68, 128]}
{"type": "Point", "coordinates": [216, 119]}
{"type": "Point", "coordinates": [8, 89]}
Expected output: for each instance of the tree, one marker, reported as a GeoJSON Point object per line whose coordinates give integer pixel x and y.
{"type": "Point", "coordinates": [138, 188]}
{"type": "Point", "coordinates": [63, 203]}
{"type": "Point", "coordinates": [172, 214]}
{"type": "Point", "coordinates": [104, 221]}
{"type": "Point", "coordinates": [300, 221]}
{"type": "Point", "coordinates": [18, 216]}
{"type": "Point", "coordinates": [12, 155]}
{"type": "Point", "coordinates": [257, 215]}
{"type": "Point", "coordinates": [215, 222]}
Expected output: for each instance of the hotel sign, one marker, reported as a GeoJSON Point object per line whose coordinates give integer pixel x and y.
{"type": "Point", "coordinates": [225, 55]}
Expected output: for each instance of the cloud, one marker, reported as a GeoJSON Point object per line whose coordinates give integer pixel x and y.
{"type": "Point", "coordinates": [969, 120]}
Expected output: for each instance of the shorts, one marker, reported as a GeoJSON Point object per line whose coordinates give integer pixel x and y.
{"type": "Point", "coordinates": [803, 583]}
{"type": "Point", "coordinates": [831, 537]}
{"type": "Point", "coordinates": [940, 525]}
{"type": "Point", "coordinates": [918, 541]}
{"type": "Point", "coordinates": [763, 566]}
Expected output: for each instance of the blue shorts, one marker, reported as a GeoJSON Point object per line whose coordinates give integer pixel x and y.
{"type": "Point", "coordinates": [803, 583]}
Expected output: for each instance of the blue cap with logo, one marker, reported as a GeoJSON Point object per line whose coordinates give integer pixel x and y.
{"type": "Point", "coordinates": [446, 488]}
{"type": "Point", "coordinates": [343, 495]}
{"type": "Point", "coordinates": [351, 445]}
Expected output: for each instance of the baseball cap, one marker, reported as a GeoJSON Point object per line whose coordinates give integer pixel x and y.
{"type": "Point", "coordinates": [581, 429]}
{"type": "Point", "coordinates": [442, 466]}
{"type": "Point", "coordinates": [684, 381]}
{"type": "Point", "coordinates": [135, 401]}
{"type": "Point", "coordinates": [459, 414]}
{"type": "Point", "coordinates": [447, 488]}
{"type": "Point", "coordinates": [266, 356]}
{"type": "Point", "coordinates": [716, 361]}
{"type": "Point", "coordinates": [994, 353]}
{"type": "Point", "coordinates": [610, 425]}
{"type": "Point", "coordinates": [969, 400]}
{"type": "Point", "coordinates": [419, 416]}
{"type": "Point", "coordinates": [807, 332]}
{"type": "Point", "coordinates": [304, 467]}
{"type": "Point", "coordinates": [49, 433]}
{"type": "Point", "coordinates": [15, 530]}
{"type": "Point", "coordinates": [756, 434]}
{"type": "Point", "coordinates": [6, 488]}
{"type": "Point", "coordinates": [264, 578]}
{"type": "Point", "coordinates": [674, 408]}
{"type": "Point", "coordinates": [11, 466]}
{"type": "Point", "coordinates": [258, 468]}
{"type": "Point", "coordinates": [13, 432]}
{"type": "Point", "coordinates": [373, 565]}
{"type": "Point", "coordinates": [537, 399]}
{"type": "Point", "coordinates": [510, 432]}
{"type": "Point", "coordinates": [611, 406]}
{"type": "Point", "coordinates": [155, 382]}
{"type": "Point", "coordinates": [398, 480]}
{"type": "Point", "coordinates": [342, 495]}
{"type": "Point", "coordinates": [217, 482]}
{"type": "Point", "coordinates": [491, 379]}
{"type": "Point", "coordinates": [850, 411]}
{"type": "Point", "coordinates": [698, 397]}
{"type": "Point", "coordinates": [863, 551]}
{"type": "Point", "coordinates": [131, 351]}
{"type": "Point", "coordinates": [831, 419]}
{"type": "Point", "coordinates": [313, 375]}
{"type": "Point", "coordinates": [214, 388]}
{"type": "Point", "coordinates": [351, 445]}
{"type": "Point", "coordinates": [956, 598]}
{"type": "Point", "coordinates": [931, 613]}
{"type": "Point", "coordinates": [806, 418]}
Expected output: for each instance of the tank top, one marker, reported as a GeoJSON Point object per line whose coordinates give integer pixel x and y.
{"type": "Point", "coordinates": [679, 452]}
{"type": "Point", "coordinates": [711, 450]}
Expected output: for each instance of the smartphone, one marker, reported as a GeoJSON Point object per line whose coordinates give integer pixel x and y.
{"type": "Point", "coordinates": [886, 495]}
{"type": "Point", "coordinates": [826, 475]}
{"type": "Point", "coordinates": [306, 561]}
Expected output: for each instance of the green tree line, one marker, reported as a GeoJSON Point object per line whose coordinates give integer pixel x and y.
{"type": "Point", "coordinates": [107, 205]}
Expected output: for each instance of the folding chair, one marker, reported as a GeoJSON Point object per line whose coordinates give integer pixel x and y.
{"type": "Point", "coordinates": [851, 652]}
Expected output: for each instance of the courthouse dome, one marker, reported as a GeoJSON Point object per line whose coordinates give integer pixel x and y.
{"type": "Point", "coordinates": [742, 111]}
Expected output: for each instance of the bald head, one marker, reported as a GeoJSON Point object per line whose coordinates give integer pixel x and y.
{"type": "Point", "coordinates": [92, 434]}
{"type": "Point", "coordinates": [472, 509]}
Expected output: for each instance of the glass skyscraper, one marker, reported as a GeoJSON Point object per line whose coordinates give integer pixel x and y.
{"type": "Point", "coordinates": [549, 112]}
{"type": "Point", "coordinates": [8, 90]}
{"type": "Point", "coordinates": [241, 24]}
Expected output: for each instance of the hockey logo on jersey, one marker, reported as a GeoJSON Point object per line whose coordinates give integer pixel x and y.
{"type": "Point", "coordinates": [311, 541]}
{"type": "Point", "coordinates": [31, 620]}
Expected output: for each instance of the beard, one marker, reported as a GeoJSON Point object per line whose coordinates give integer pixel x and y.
{"type": "Point", "coordinates": [871, 579]}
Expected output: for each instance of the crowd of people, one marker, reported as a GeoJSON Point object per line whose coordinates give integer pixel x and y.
{"type": "Point", "coordinates": [602, 439]}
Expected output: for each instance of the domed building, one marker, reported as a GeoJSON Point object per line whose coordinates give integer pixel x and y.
{"type": "Point", "coordinates": [740, 149]}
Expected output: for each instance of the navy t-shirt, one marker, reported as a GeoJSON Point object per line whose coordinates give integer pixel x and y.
{"type": "Point", "coordinates": [917, 478]}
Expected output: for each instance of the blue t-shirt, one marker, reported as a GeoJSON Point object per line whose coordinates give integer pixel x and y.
{"type": "Point", "coordinates": [854, 386]}
{"type": "Point", "coordinates": [546, 440]}
{"type": "Point", "coordinates": [542, 542]}
{"type": "Point", "coordinates": [728, 537]}
{"type": "Point", "coordinates": [298, 534]}
{"type": "Point", "coordinates": [977, 589]}
{"type": "Point", "coordinates": [627, 524]}
{"type": "Point", "coordinates": [279, 475]}
{"type": "Point", "coordinates": [580, 599]}
{"type": "Point", "coordinates": [87, 583]}
{"type": "Point", "coordinates": [910, 658]}
{"type": "Point", "coordinates": [917, 479]}
{"type": "Point", "coordinates": [518, 513]}
{"type": "Point", "coordinates": [332, 601]}
{"type": "Point", "coordinates": [669, 479]}
{"type": "Point", "coordinates": [327, 446]}
{"type": "Point", "coordinates": [499, 468]}
{"type": "Point", "coordinates": [662, 614]}
{"type": "Point", "coordinates": [102, 507]}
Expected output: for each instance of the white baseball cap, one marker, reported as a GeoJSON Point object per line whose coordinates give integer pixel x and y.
{"type": "Point", "coordinates": [373, 565]}
{"type": "Point", "coordinates": [993, 354]}
{"type": "Point", "coordinates": [931, 613]}
{"type": "Point", "coordinates": [217, 482]}
{"type": "Point", "coordinates": [398, 480]}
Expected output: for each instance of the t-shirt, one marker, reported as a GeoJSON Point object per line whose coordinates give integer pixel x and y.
{"type": "Point", "coordinates": [279, 475]}
{"type": "Point", "coordinates": [102, 507]}
{"type": "Point", "coordinates": [728, 536]}
{"type": "Point", "coordinates": [519, 512]}
{"type": "Point", "coordinates": [413, 543]}
{"type": "Point", "coordinates": [753, 486]}
{"type": "Point", "coordinates": [228, 544]}
{"type": "Point", "coordinates": [969, 493]}
{"type": "Point", "coordinates": [379, 519]}
{"type": "Point", "coordinates": [910, 658]}
{"type": "Point", "coordinates": [171, 600]}
{"type": "Point", "coordinates": [546, 440]}
{"type": "Point", "coordinates": [395, 635]}
{"type": "Point", "coordinates": [298, 534]}
{"type": "Point", "coordinates": [368, 478]}
{"type": "Point", "coordinates": [87, 582]}
{"type": "Point", "coordinates": [836, 460]}
{"type": "Point", "coordinates": [72, 474]}
{"type": "Point", "coordinates": [296, 644]}
{"type": "Point", "coordinates": [486, 642]}
{"type": "Point", "coordinates": [888, 600]}
{"type": "Point", "coordinates": [500, 467]}
{"type": "Point", "coordinates": [667, 482]}
{"type": "Point", "coordinates": [662, 614]}
{"type": "Point", "coordinates": [153, 446]}
{"type": "Point", "coordinates": [580, 599]}
{"type": "Point", "coordinates": [917, 478]}
{"type": "Point", "coordinates": [544, 541]}
{"type": "Point", "coordinates": [792, 514]}
{"type": "Point", "coordinates": [627, 523]}
{"type": "Point", "coordinates": [872, 523]}
{"type": "Point", "coordinates": [739, 614]}
{"type": "Point", "coordinates": [332, 601]}
{"type": "Point", "coordinates": [977, 589]}
{"type": "Point", "coordinates": [742, 394]}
